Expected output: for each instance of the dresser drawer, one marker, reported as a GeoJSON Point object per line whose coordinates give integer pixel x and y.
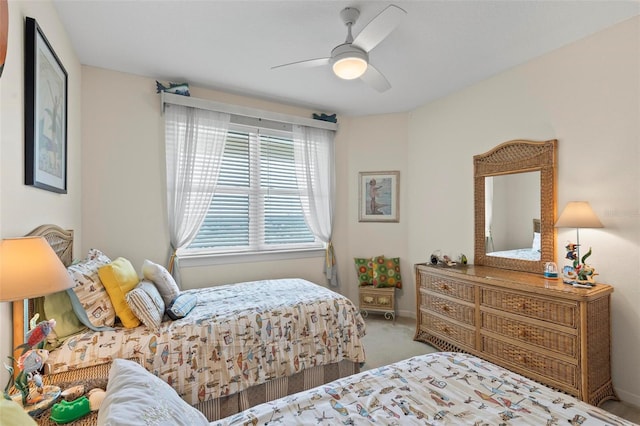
{"type": "Point", "coordinates": [445, 307]}
{"type": "Point", "coordinates": [531, 306]}
{"type": "Point", "coordinates": [526, 362]}
{"type": "Point", "coordinates": [448, 287]}
{"type": "Point", "coordinates": [447, 330]}
{"type": "Point", "coordinates": [563, 343]}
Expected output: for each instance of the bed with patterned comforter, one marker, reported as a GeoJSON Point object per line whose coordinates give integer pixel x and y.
{"type": "Point", "coordinates": [237, 336]}
{"type": "Point", "coordinates": [442, 388]}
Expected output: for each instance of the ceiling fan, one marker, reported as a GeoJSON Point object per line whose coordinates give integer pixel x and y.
{"type": "Point", "coordinates": [350, 60]}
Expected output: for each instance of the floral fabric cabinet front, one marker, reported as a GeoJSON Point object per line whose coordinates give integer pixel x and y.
{"type": "Point", "coordinates": [378, 299]}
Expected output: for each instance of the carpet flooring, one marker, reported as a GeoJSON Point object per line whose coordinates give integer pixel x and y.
{"type": "Point", "coordinates": [388, 341]}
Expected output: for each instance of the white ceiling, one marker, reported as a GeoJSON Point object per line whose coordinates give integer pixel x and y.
{"type": "Point", "coordinates": [440, 46]}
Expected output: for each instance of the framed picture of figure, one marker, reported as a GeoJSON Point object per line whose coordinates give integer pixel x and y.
{"type": "Point", "coordinates": [378, 194]}
{"type": "Point", "coordinates": [45, 113]}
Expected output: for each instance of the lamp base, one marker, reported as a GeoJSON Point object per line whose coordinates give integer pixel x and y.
{"type": "Point", "coordinates": [38, 402]}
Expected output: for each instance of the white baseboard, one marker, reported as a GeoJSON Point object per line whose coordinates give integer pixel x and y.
{"type": "Point", "coordinates": [628, 397]}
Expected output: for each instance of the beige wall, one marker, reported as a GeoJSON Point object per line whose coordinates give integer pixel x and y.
{"type": "Point", "coordinates": [124, 205]}
{"type": "Point", "coordinates": [22, 208]}
{"type": "Point", "coordinates": [587, 96]}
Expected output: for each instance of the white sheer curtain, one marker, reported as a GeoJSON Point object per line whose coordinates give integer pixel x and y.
{"type": "Point", "coordinates": [195, 140]}
{"type": "Point", "coordinates": [488, 213]}
{"type": "Point", "coordinates": [315, 172]}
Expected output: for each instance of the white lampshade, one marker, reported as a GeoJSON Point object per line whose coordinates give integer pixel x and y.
{"type": "Point", "coordinates": [30, 268]}
{"type": "Point", "coordinates": [578, 214]}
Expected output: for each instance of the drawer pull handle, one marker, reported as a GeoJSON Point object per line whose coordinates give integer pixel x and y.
{"type": "Point", "coordinates": [446, 330]}
{"type": "Point", "coordinates": [446, 308]}
{"type": "Point", "coordinates": [522, 333]}
{"type": "Point", "coordinates": [444, 287]}
{"type": "Point", "coordinates": [521, 305]}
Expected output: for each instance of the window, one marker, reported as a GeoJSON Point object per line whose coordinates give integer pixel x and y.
{"type": "Point", "coordinates": [256, 205]}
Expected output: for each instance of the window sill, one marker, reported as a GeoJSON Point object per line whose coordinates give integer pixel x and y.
{"type": "Point", "coordinates": [196, 260]}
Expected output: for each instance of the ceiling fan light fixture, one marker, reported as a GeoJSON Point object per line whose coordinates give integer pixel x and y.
{"type": "Point", "coordinates": [350, 68]}
{"type": "Point", "coordinates": [349, 62]}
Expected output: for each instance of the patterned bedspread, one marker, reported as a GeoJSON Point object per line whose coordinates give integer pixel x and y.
{"type": "Point", "coordinates": [442, 388]}
{"type": "Point", "coordinates": [237, 336]}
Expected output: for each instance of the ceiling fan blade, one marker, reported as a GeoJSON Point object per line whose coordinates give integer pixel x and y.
{"type": "Point", "coordinates": [379, 28]}
{"type": "Point", "coordinates": [309, 63]}
{"type": "Point", "coordinates": [375, 79]}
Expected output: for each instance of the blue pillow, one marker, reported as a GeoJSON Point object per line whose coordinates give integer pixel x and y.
{"type": "Point", "coordinates": [181, 306]}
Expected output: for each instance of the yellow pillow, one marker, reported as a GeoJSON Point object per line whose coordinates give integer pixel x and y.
{"type": "Point", "coordinates": [119, 277]}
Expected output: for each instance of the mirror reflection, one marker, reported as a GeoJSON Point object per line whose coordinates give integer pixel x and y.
{"type": "Point", "coordinates": [512, 216]}
{"type": "Point", "coordinates": [514, 205]}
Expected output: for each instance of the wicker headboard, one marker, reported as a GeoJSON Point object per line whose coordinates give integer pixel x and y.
{"type": "Point", "coordinates": [61, 240]}
{"type": "Point", "coordinates": [536, 225]}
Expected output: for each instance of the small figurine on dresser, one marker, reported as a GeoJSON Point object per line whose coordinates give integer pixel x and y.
{"type": "Point", "coordinates": [438, 258]}
{"type": "Point", "coordinates": [578, 274]}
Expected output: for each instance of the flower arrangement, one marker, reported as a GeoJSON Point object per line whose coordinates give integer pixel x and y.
{"type": "Point", "coordinates": [578, 274]}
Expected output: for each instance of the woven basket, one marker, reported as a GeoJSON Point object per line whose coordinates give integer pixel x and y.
{"type": "Point", "coordinates": [94, 376]}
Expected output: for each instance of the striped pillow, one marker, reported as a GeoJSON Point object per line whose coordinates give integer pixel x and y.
{"type": "Point", "coordinates": [181, 306]}
{"type": "Point", "coordinates": [146, 304]}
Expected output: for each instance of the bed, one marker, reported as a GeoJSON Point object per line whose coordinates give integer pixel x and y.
{"type": "Point", "coordinates": [444, 388]}
{"type": "Point", "coordinates": [241, 345]}
{"type": "Point", "coordinates": [525, 253]}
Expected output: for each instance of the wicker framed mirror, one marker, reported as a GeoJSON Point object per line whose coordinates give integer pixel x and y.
{"type": "Point", "coordinates": [518, 160]}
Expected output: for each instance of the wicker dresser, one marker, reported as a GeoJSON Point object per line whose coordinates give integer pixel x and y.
{"type": "Point", "coordinates": [553, 333]}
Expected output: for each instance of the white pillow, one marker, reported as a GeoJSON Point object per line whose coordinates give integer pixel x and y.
{"type": "Point", "coordinates": [135, 396]}
{"type": "Point", "coordinates": [536, 241]}
{"type": "Point", "coordinates": [163, 280]}
{"type": "Point", "coordinates": [146, 303]}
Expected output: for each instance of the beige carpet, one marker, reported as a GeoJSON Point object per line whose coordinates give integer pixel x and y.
{"type": "Point", "coordinates": [387, 342]}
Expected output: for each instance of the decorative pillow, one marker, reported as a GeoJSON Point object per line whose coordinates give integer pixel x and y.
{"type": "Point", "coordinates": [119, 277]}
{"type": "Point", "coordinates": [386, 272]}
{"type": "Point", "coordinates": [147, 304]}
{"type": "Point", "coordinates": [364, 268]}
{"type": "Point", "coordinates": [536, 241]}
{"type": "Point", "coordinates": [135, 396]}
{"type": "Point", "coordinates": [58, 306]}
{"type": "Point", "coordinates": [94, 304]}
{"type": "Point", "coordinates": [181, 306]}
{"type": "Point", "coordinates": [163, 280]}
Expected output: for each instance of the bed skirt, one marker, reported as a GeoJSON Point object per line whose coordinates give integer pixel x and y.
{"type": "Point", "coordinates": [215, 409]}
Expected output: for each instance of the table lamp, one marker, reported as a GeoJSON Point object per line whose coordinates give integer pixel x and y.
{"type": "Point", "coordinates": [29, 268]}
{"type": "Point", "coordinates": [578, 214]}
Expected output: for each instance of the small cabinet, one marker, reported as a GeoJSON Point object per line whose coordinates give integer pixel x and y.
{"type": "Point", "coordinates": [378, 299]}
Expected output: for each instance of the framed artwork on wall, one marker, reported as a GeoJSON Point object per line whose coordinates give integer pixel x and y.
{"type": "Point", "coordinates": [378, 194]}
{"type": "Point", "coordinates": [45, 112]}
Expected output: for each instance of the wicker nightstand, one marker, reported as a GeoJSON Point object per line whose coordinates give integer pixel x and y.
{"type": "Point", "coordinates": [378, 299]}
{"type": "Point", "coordinates": [95, 376]}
